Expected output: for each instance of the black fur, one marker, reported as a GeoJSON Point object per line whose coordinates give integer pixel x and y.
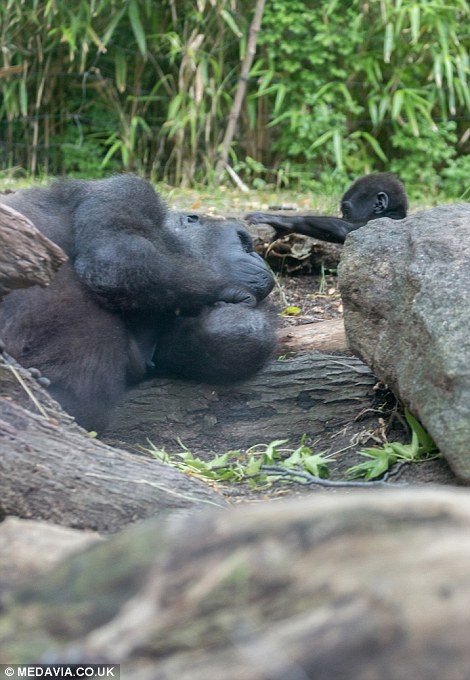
{"type": "Point", "coordinates": [143, 287]}
{"type": "Point", "coordinates": [368, 198]}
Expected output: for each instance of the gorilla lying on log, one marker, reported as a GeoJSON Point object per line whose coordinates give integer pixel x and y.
{"type": "Point", "coordinates": [368, 198]}
{"type": "Point", "coordinates": [145, 291]}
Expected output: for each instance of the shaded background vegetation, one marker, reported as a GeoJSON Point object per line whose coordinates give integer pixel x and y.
{"type": "Point", "coordinates": [338, 88]}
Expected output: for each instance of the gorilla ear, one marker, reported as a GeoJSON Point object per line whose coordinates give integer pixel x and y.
{"type": "Point", "coordinates": [381, 204]}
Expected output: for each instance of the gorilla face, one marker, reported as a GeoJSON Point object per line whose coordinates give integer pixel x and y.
{"type": "Point", "coordinates": [231, 249]}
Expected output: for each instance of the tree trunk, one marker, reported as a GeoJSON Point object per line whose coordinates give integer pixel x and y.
{"type": "Point", "coordinates": [27, 257]}
{"type": "Point", "coordinates": [51, 470]}
{"type": "Point", "coordinates": [309, 394]}
{"type": "Point", "coordinates": [358, 585]}
{"type": "Point", "coordinates": [241, 89]}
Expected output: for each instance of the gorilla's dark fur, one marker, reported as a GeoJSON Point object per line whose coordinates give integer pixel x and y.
{"type": "Point", "coordinates": [145, 289]}
{"type": "Point", "coordinates": [368, 198]}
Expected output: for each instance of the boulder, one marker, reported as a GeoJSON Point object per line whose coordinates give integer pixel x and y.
{"type": "Point", "coordinates": [406, 292]}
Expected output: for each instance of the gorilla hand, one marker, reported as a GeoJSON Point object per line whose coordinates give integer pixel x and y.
{"type": "Point", "coordinates": [250, 271]}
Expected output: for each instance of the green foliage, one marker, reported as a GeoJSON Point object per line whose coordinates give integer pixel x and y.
{"type": "Point", "coordinates": [422, 161]}
{"type": "Point", "coordinates": [260, 465]}
{"type": "Point", "coordinates": [358, 86]}
{"type": "Point", "coordinates": [380, 460]}
{"type": "Point", "coordinates": [149, 84]}
{"type": "Point", "coordinates": [263, 465]}
{"type": "Point", "coordinates": [456, 178]}
{"type": "Point", "coordinates": [337, 89]}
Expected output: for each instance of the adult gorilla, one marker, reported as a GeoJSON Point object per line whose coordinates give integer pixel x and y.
{"type": "Point", "coordinates": [144, 290]}
{"type": "Point", "coordinates": [376, 195]}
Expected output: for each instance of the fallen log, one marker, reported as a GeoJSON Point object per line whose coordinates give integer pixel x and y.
{"type": "Point", "coordinates": [294, 252]}
{"type": "Point", "coordinates": [324, 336]}
{"type": "Point", "coordinates": [27, 257]}
{"type": "Point", "coordinates": [51, 470]}
{"type": "Point", "coordinates": [338, 586]}
{"type": "Point", "coordinates": [311, 393]}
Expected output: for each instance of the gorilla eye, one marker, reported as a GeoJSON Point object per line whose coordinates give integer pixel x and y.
{"type": "Point", "coordinates": [191, 219]}
{"type": "Point", "coordinates": [246, 241]}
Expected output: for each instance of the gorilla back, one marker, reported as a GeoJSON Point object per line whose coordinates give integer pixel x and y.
{"type": "Point", "coordinates": [144, 290]}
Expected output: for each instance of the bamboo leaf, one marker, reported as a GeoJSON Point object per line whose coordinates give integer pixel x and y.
{"type": "Point", "coordinates": [96, 39]}
{"type": "Point", "coordinates": [397, 103]}
{"type": "Point", "coordinates": [112, 26]}
{"type": "Point", "coordinates": [384, 106]}
{"type": "Point", "coordinates": [388, 42]}
{"type": "Point", "coordinates": [373, 112]}
{"type": "Point", "coordinates": [321, 139]}
{"type": "Point", "coordinates": [120, 62]}
{"type": "Point", "coordinates": [438, 70]}
{"type": "Point", "coordinates": [280, 96]}
{"type": "Point", "coordinates": [338, 149]}
{"type": "Point", "coordinates": [174, 107]}
{"type": "Point", "coordinates": [137, 27]}
{"type": "Point", "coordinates": [110, 153]}
{"type": "Point", "coordinates": [23, 98]}
{"type": "Point", "coordinates": [415, 16]}
{"type": "Point", "coordinates": [229, 20]}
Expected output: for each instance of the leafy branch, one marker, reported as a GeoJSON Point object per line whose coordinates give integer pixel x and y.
{"type": "Point", "coordinates": [263, 465]}
{"type": "Point", "coordinates": [381, 460]}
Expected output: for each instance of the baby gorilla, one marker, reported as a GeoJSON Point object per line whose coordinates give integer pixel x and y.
{"type": "Point", "coordinates": [377, 195]}
{"type": "Point", "coordinates": [145, 291]}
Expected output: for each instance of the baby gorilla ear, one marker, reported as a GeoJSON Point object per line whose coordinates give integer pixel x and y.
{"type": "Point", "coordinates": [381, 203]}
{"type": "Point", "coordinates": [245, 240]}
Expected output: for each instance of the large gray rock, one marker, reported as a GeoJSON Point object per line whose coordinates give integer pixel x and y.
{"type": "Point", "coordinates": [406, 292]}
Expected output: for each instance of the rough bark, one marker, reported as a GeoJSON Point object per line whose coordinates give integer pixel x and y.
{"type": "Point", "coordinates": [51, 470]}
{"type": "Point", "coordinates": [241, 89]}
{"type": "Point", "coordinates": [348, 586]}
{"type": "Point", "coordinates": [294, 253]}
{"type": "Point", "coordinates": [308, 394]}
{"type": "Point", "coordinates": [26, 256]}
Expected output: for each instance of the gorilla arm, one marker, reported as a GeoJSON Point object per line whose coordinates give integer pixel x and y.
{"type": "Point", "coordinates": [129, 273]}
{"type": "Point", "coordinates": [325, 228]}
{"type": "Point", "coordinates": [368, 198]}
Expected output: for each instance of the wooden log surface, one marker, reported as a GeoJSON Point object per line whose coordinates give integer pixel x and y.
{"type": "Point", "coordinates": [27, 257]}
{"type": "Point", "coordinates": [324, 336]}
{"type": "Point", "coordinates": [358, 585]}
{"type": "Point", "coordinates": [308, 394]}
{"type": "Point", "coordinates": [51, 470]}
